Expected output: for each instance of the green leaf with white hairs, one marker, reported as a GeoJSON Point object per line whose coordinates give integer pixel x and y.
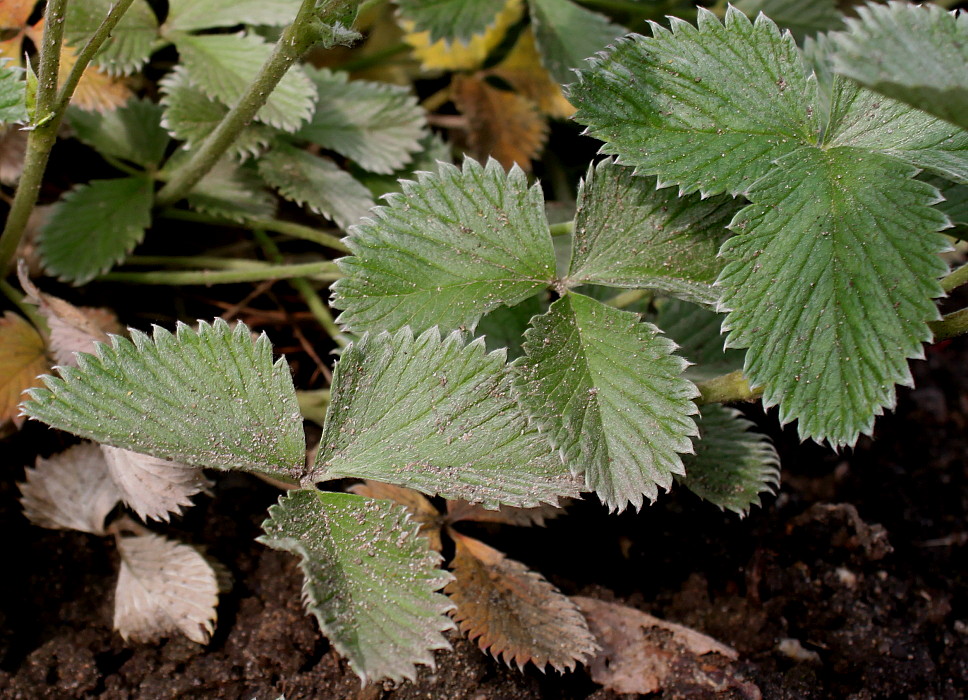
{"type": "Point", "coordinates": [131, 42]}
{"type": "Point", "coordinates": [915, 54]}
{"type": "Point", "coordinates": [131, 132]}
{"type": "Point", "coordinates": [214, 397]}
{"type": "Point", "coordinates": [437, 416]}
{"type": "Point", "coordinates": [733, 464]}
{"type": "Point", "coordinates": [190, 15]}
{"type": "Point", "coordinates": [610, 394]}
{"type": "Point", "coordinates": [371, 581]}
{"type": "Point", "coordinates": [628, 234]}
{"type": "Point", "coordinates": [380, 126]}
{"type": "Point", "coordinates": [450, 19]}
{"type": "Point", "coordinates": [802, 17]}
{"type": "Point", "coordinates": [230, 191]}
{"type": "Point", "coordinates": [224, 65]}
{"type": "Point", "coordinates": [95, 226]}
{"type": "Point", "coordinates": [451, 247]}
{"type": "Point", "coordinates": [317, 183]}
{"type": "Point", "coordinates": [190, 116]}
{"type": "Point", "coordinates": [567, 33]}
{"type": "Point", "coordinates": [13, 93]}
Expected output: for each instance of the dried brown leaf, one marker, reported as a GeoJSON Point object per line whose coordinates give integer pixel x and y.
{"type": "Point", "coordinates": [523, 70]}
{"type": "Point", "coordinates": [15, 13]}
{"type": "Point", "coordinates": [164, 587]}
{"type": "Point", "coordinates": [515, 614]}
{"type": "Point", "coordinates": [506, 515]}
{"type": "Point", "coordinates": [13, 148]}
{"type": "Point", "coordinates": [421, 509]}
{"type": "Point", "coordinates": [641, 652]}
{"type": "Point", "coordinates": [23, 359]}
{"type": "Point", "coordinates": [70, 491]}
{"type": "Point", "coordinates": [501, 124]}
{"type": "Point", "coordinates": [153, 487]}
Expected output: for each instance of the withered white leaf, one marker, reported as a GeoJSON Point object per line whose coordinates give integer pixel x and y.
{"type": "Point", "coordinates": [164, 587]}
{"type": "Point", "coordinates": [151, 486]}
{"type": "Point", "coordinates": [70, 491]}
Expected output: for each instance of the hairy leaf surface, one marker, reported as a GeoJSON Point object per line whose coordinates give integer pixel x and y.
{"type": "Point", "coordinates": [131, 41]}
{"type": "Point", "coordinates": [453, 246]}
{"type": "Point", "coordinates": [189, 15]}
{"type": "Point", "coordinates": [566, 34]}
{"type": "Point", "coordinates": [421, 510]}
{"type": "Point", "coordinates": [152, 487]}
{"type": "Point", "coordinates": [370, 579]}
{"type": "Point", "coordinates": [438, 416]}
{"type": "Point", "coordinates": [95, 226]}
{"type": "Point", "coordinates": [132, 132]}
{"type": "Point", "coordinates": [214, 395]}
{"type": "Point", "coordinates": [610, 394]}
{"type": "Point", "coordinates": [801, 18]}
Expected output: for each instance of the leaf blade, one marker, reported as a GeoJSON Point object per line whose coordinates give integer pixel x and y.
{"type": "Point", "coordinates": [567, 33]}
{"type": "Point", "coordinates": [132, 132]}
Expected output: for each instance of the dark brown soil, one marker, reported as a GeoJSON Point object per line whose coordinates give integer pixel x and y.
{"type": "Point", "coordinates": [850, 584]}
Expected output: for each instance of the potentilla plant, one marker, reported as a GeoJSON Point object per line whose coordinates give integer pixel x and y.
{"type": "Point", "coordinates": [755, 191]}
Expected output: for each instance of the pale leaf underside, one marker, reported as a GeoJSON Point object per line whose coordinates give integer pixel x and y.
{"type": "Point", "coordinates": [450, 19]}
{"type": "Point", "coordinates": [152, 487]}
{"type": "Point", "coordinates": [437, 416]}
{"type": "Point", "coordinates": [421, 510]}
{"type": "Point", "coordinates": [370, 579]}
{"type": "Point", "coordinates": [131, 42]}
{"type": "Point", "coordinates": [513, 612]}
{"type": "Point", "coordinates": [230, 191]}
{"type": "Point", "coordinates": [189, 15]}
{"type": "Point", "coordinates": [132, 132]}
{"type": "Point", "coordinates": [801, 18]}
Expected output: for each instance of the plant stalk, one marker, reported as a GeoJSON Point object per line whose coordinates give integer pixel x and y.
{"type": "Point", "coordinates": [288, 228]}
{"type": "Point", "coordinates": [955, 279]}
{"type": "Point", "coordinates": [726, 389]}
{"type": "Point", "coordinates": [323, 271]}
{"type": "Point", "coordinates": [951, 325]}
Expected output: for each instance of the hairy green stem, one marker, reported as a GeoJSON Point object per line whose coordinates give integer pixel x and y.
{"type": "Point", "coordinates": [628, 297]}
{"type": "Point", "coordinates": [955, 278]}
{"type": "Point", "coordinates": [288, 228]}
{"type": "Point", "coordinates": [727, 388]}
{"type": "Point", "coordinates": [195, 261]}
{"type": "Point", "coordinates": [950, 326]}
{"type": "Point", "coordinates": [323, 271]}
{"type": "Point", "coordinates": [562, 229]}
{"type": "Point", "coordinates": [297, 38]}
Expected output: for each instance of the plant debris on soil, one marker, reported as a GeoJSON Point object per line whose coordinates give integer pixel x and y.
{"type": "Point", "coordinates": [851, 583]}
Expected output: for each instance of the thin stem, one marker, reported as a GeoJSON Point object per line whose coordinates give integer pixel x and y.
{"type": "Point", "coordinates": [195, 261]}
{"type": "Point", "coordinates": [628, 297]}
{"type": "Point", "coordinates": [955, 279]}
{"type": "Point", "coordinates": [313, 404]}
{"type": "Point", "coordinates": [727, 388]}
{"type": "Point", "coordinates": [323, 271]}
{"type": "Point", "coordinates": [26, 308]}
{"type": "Point", "coordinates": [951, 325]}
{"type": "Point", "coordinates": [563, 229]}
{"type": "Point", "coordinates": [294, 42]}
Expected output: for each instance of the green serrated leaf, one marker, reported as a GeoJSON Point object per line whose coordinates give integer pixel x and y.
{"type": "Point", "coordinates": [708, 109]}
{"type": "Point", "coordinates": [229, 191]}
{"type": "Point", "coordinates": [955, 203]}
{"type": "Point", "coordinates": [611, 396]}
{"type": "Point", "coordinates": [566, 34]}
{"type": "Point", "coordinates": [840, 293]}
{"type": "Point", "coordinates": [95, 226]}
{"type": "Point", "coordinates": [191, 116]}
{"type": "Point", "coordinates": [697, 332]}
{"type": "Point", "coordinates": [378, 125]}
{"type": "Point", "coordinates": [370, 579]}
{"type": "Point", "coordinates": [189, 15]}
{"type": "Point", "coordinates": [132, 132]}
{"type": "Point", "coordinates": [453, 246]}
{"type": "Point", "coordinates": [317, 183]}
{"type": "Point", "coordinates": [433, 150]}
{"type": "Point", "coordinates": [214, 397]}
{"type": "Point", "coordinates": [733, 465]}
{"type": "Point", "coordinates": [224, 65]}
{"type": "Point", "coordinates": [131, 42]}
{"type": "Point", "coordinates": [802, 17]}
{"type": "Point", "coordinates": [910, 53]}
{"type": "Point", "coordinates": [505, 326]}
{"type": "Point", "coordinates": [628, 234]}
{"type": "Point", "coordinates": [13, 107]}
{"type": "Point", "coordinates": [437, 416]}
{"type": "Point", "coordinates": [450, 19]}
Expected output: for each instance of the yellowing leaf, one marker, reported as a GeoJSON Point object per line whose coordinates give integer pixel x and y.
{"type": "Point", "coordinates": [523, 70]}
{"type": "Point", "coordinates": [421, 509]}
{"type": "Point", "coordinates": [22, 360]}
{"type": "Point", "coordinates": [460, 55]}
{"type": "Point", "coordinates": [502, 124]}
{"type": "Point", "coordinates": [515, 614]}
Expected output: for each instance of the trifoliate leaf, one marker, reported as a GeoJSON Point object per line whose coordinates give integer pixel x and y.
{"type": "Point", "coordinates": [229, 191]}
{"type": "Point", "coordinates": [370, 579]}
{"type": "Point", "coordinates": [437, 416]}
{"type": "Point", "coordinates": [450, 19]}
{"type": "Point", "coordinates": [453, 246]}
{"type": "Point", "coordinates": [910, 53]}
{"type": "Point", "coordinates": [164, 587]}
{"type": "Point", "coordinates": [317, 183]}
{"type": "Point", "coordinates": [95, 226]}
{"type": "Point", "coordinates": [830, 286]}
{"type": "Point", "coordinates": [224, 65]}
{"type": "Point", "coordinates": [505, 326]}
{"type": "Point", "coordinates": [513, 612]}
{"type": "Point", "coordinates": [421, 510]}
{"type": "Point", "coordinates": [191, 116]}
{"type": "Point", "coordinates": [501, 124]}
{"type": "Point", "coordinates": [375, 124]}
{"type": "Point", "coordinates": [628, 234]}
{"type": "Point", "coordinates": [153, 488]}
{"type": "Point", "coordinates": [13, 92]}
{"type": "Point", "coordinates": [522, 69]}
{"type": "Point", "coordinates": [698, 333]}
{"type": "Point", "coordinates": [23, 359]}
{"type": "Point", "coordinates": [131, 41]}
{"type": "Point", "coordinates": [70, 491]}
{"type": "Point", "coordinates": [733, 465]}
{"type": "Point", "coordinates": [567, 34]}
{"type": "Point", "coordinates": [610, 394]}
{"type": "Point", "coordinates": [189, 15]}
{"type": "Point", "coordinates": [215, 399]}
{"type": "Point", "coordinates": [708, 109]}
{"type": "Point", "coordinates": [132, 132]}
{"type": "Point", "coordinates": [801, 18]}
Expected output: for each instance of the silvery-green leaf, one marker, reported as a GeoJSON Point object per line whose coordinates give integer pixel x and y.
{"type": "Point", "coordinates": [131, 41]}
{"type": "Point", "coordinates": [132, 132]}
{"type": "Point", "coordinates": [153, 487]}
